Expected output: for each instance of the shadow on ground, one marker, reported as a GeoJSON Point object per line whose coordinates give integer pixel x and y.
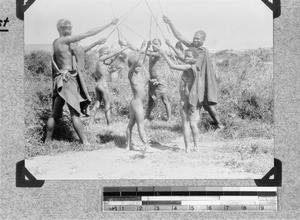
{"type": "Point", "coordinates": [159, 146]}
{"type": "Point", "coordinates": [120, 141]}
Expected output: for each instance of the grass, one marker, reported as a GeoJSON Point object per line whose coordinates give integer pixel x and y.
{"type": "Point", "coordinates": [248, 154]}
{"type": "Point", "coordinates": [245, 108]}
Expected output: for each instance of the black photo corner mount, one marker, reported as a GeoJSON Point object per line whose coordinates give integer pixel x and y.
{"type": "Point", "coordinates": [275, 7]}
{"type": "Point", "coordinates": [22, 6]}
{"type": "Point", "coordinates": [22, 172]}
{"type": "Point", "coordinates": [276, 171]}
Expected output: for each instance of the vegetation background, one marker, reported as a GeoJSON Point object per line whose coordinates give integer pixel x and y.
{"type": "Point", "coordinates": [245, 108]}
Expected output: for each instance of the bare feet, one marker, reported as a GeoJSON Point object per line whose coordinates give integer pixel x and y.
{"type": "Point", "coordinates": [196, 149]}
{"type": "Point", "coordinates": [129, 147]}
{"type": "Point", "coordinates": [148, 118]}
{"type": "Point", "coordinates": [220, 127]}
{"type": "Point", "coordinates": [88, 146]}
{"type": "Point", "coordinates": [165, 119]}
{"type": "Point", "coordinates": [150, 149]}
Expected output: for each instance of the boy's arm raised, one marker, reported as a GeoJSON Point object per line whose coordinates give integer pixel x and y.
{"type": "Point", "coordinates": [114, 53]}
{"type": "Point", "coordinates": [146, 52]}
{"type": "Point", "coordinates": [178, 53]}
{"type": "Point", "coordinates": [174, 66]}
{"type": "Point", "coordinates": [151, 53]}
{"type": "Point", "coordinates": [75, 38]}
{"type": "Point", "coordinates": [176, 33]}
{"type": "Point", "coordinates": [139, 56]}
{"type": "Point", "coordinates": [98, 42]}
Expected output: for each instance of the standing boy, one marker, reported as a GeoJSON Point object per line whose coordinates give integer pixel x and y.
{"type": "Point", "coordinates": [69, 85]}
{"type": "Point", "coordinates": [137, 83]}
{"type": "Point", "coordinates": [157, 88]}
{"type": "Point", "coordinates": [189, 102]}
{"type": "Point", "coordinates": [102, 77]}
{"type": "Point", "coordinates": [208, 75]}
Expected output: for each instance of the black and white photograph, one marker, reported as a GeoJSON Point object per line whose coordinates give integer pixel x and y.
{"type": "Point", "coordinates": [148, 89]}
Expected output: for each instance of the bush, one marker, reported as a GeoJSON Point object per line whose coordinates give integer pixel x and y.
{"type": "Point", "coordinates": [38, 63]}
{"type": "Point", "coordinates": [247, 154]}
{"type": "Point", "coordinates": [245, 87]}
{"type": "Point", "coordinates": [245, 94]}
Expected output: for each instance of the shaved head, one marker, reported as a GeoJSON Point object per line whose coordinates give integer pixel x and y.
{"type": "Point", "coordinates": [102, 49]}
{"type": "Point", "coordinates": [133, 58]}
{"type": "Point", "coordinates": [194, 51]}
{"type": "Point", "coordinates": [156, 41]}
{"type": "Point", "coordinates": [200, 33]}
{"type": "Point", "coordinates": [63, 23]}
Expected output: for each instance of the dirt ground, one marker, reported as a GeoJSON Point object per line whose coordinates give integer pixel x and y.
{"type": "Point", "coordinates": [167, 161]}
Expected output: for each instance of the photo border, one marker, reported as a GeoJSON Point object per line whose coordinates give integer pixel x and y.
{"type": "Point", "coordinates": [81, 199]}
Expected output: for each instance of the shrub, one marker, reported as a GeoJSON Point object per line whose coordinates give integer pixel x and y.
{"type": "Point", "coordinates": [245, 95]}
{"type": "Point", "coordinates": [38, 62]}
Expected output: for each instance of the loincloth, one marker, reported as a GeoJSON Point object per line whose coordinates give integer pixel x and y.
{"type": "Point", "coordinates": [158, 90]}
{"type": "Point", "coordinates": [66, 86]}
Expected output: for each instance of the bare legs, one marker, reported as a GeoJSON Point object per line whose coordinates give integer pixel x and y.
{"type": "Point", "coordinates": [166, 102]}
{"type": "Point", "coordinates": [57, 113]}
{"type": "Point", "coordinates": [189, 121]}
{"type": "Point", "coordinates": [93, 112]}
{"type": "Point", "coordinates": [77, 125]}
{"type": "Point", "coordinates": [136, 116]}
{"type": "Point", "coordinates": [151, 104]}
{"type": "Point", "coordinates": [150, 107]}
{"type": "Point", "coordinates": [101, 94]}
{"type": "Point", "coordinates": [213, 114]}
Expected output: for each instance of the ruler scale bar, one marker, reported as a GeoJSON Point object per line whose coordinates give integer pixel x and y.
{"type": "Point", "coordinates": [189, 199]}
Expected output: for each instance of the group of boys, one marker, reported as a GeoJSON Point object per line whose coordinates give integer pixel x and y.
{"type": "Point", "coordinates": [198, 86]}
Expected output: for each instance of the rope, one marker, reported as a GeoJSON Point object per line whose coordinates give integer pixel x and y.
{"type": "Point", "coordinates": [114, 14]}
{"type": "Point", "coordinates": [124, 16]}
{"type": "Point", "coordinates": [118, 29]}
{"type": "Point", "coordinates": [150, 28]}
{"type": "Point", "coordinates": [137, 34]}
{"type": "Point", "coordinates": [149, 37]}
{"type": "Point", "coordinates": [143, 39]}
{"type": "Point", "coordinates": [134, 32]}
{"type": "Point", "coordinates": [162, 12]}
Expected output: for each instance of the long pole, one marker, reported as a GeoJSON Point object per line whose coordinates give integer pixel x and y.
{"type": "Point", "coordinates": [160, 30]}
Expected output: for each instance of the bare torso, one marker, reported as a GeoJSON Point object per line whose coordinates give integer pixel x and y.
{"type": "Point", "coordinates": [102, 72]}
{"type": "Point", "coordinates": [155, 67]}
{"type": "Point", "coordinates": [63, 56]}
{"type": "Point", "coordinates": [137, 83]}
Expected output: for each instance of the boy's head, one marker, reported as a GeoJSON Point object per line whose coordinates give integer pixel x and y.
{"type": "Point", "coordinates": [157, 43]}
{"type": "Point", "coordinates": [103, 51]}
{"type": "Point", "coordinates": [191, 55]}
{"type": "Point", "coordinates": [199, 38]}
{"type": "Point", "coordinates": [64, 27]}
{"type": "Point", "coordinates": [179, 46]}
{"type": "Point", "coordinates": [133, 59]}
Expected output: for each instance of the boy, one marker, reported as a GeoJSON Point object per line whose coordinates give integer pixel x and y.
{"type": "Point", "coordinates": [137, 83]}
{"type": "Point", "coordinates": [178, 49]}
{"type": "Point", "coordinates": [102, 76]}
{"type": "Point", "coordinates": [157, 87]}
{"type": "Point", "coordinates": [205, 65]}
{"type": "Point", "coordinates": [189, 102]}
{"type": "Point", "coordinates": [179, 46]}
{"type": "Point", "coordinates": [69, 85]}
